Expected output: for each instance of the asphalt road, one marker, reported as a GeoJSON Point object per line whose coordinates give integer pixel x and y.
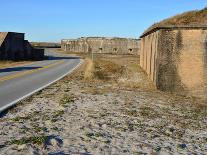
{"type": "Point", "coordinates": [17, 83]}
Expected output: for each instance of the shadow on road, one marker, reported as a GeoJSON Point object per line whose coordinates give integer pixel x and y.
{"type": "Point", "coordinates": [17, 69]}
{"type": "Point", "coordinates": [60, 58]}
{"type": "Point", "coordinates": [13, 69]}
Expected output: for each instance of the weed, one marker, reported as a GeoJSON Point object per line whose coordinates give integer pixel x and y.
{"type": "Point", "coordinates": [67, 99]}
{"type": "Point", "coordinates": [58, 113]}
{"type": "Point", "coordinates": [89, 70]}
{"type": "Point", "coordinates": [94, 135]}
{"type": "Point", "coordinates": [26, 140]}
{"type": "Point", "coordinates": [56, 129]}
{"type": "Point", "coordinates": [131, 113]}
{"type": "Point", "coordinates": [39, 129]}
{"type": "Point", "coordinates": [148, 112]}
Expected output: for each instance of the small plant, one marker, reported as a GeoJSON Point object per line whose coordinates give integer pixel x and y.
{"type": "Point", "coordinates": [131, 113]}
{"type": "Point", "coordinates": [32, 140]}
{"type": "Point", "coordinates": [56, 129]}
{"type": "Point", "coordinates": [94, 135]}
{"type": "Point", "coordinates": [58, 113]}
{"type": "Point", "coordinates": [148, 112]}
{"type": "Point", "coordinates": [145, 111]}
{"type": "Point", "coordinates": [67, 99]}
{"type": "Point", "coordinates": [39, 129]}
{"type": "Point", "coordinates": [90, 135]}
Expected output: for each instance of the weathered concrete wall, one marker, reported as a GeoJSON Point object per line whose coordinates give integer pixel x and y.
{"type": "Point", "coordinates": [102, 45]}
{"type": "Point", "coordinates": [148, 55]}
{"type": "Point", "coordinates": [176, 60]}
{"type": "Point", "coordinates": [14, 47]}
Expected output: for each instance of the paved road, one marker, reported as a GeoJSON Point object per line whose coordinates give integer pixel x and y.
{"type": "Point", "coordinates": [20, 82]}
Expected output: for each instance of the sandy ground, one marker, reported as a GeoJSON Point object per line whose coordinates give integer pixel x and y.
{"type": "Point", "coordinates": [106, 107]}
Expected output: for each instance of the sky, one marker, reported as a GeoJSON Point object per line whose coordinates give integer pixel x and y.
{"type": "Point", "coordinates": [53, 20]}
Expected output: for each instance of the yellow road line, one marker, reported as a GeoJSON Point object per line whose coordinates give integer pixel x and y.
{"type": "Point", "coordinates": [9, 77]}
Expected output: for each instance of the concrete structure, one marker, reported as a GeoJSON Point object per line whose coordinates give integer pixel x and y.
{"type": "Point", "coordinates": [175, 58]}
{"type": "Point", "coordinates": [102, 45]}
{"type": "Point", "coordinates": [45, 44]}
{"type": "Point", "coordinates": [14, 47]}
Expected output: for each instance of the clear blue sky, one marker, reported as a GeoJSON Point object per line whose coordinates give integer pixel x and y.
{"type": "Point", "coordinates": [52, 20]}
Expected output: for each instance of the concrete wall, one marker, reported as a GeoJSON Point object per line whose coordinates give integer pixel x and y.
{"type": "Point", "coordinates": [176, 60]}
{"type": "Point", "coordinates": [149, 54]}
{"type": "Point", "coordinates": [102, 45]}
{"type": "Point", "coordinates": [14, 47]}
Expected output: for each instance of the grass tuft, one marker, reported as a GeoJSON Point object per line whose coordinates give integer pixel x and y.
{"type": "Point", "coordinates": [39, 140]}
{"type": "Point", "coordinates": [66, 100]}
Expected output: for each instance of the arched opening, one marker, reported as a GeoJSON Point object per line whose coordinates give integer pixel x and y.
{"type": "Point", "coordinates": [130, 50]}
{"type": "Point", "coordinates": [100, 50]}
{"type": "Point", "coordinates": [115, 49]}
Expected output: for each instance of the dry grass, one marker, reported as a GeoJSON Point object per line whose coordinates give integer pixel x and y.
{"type": "Point", "coordinates": [6, 64]}
{"type": "Point", "coordinates": [117, 70]}
{"type": "Point", "coordinates": [89, 69]}
{"type": "Point", "coordinates": [191, 18]}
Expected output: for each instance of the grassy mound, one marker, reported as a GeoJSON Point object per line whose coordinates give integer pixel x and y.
{"type": "Point", "coordinates": [191, 18]}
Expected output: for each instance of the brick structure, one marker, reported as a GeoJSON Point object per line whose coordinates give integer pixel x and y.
{"type": "Point", "coordinates": [175, 58]}
{"type": "Point", "coordinates": [102, 45]}
{"type": "Point", "coordinates": [14, 47]}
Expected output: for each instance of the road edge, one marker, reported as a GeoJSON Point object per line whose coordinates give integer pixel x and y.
{"type": "Point", "coordinates": [41, 88]}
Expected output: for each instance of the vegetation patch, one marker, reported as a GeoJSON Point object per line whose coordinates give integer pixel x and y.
{"type": "Point", "coordinates": [40, 129]}
{"type": "Point", "coordinates": [57, 114]}
{"type": "Point", "coordinates": [39, 140]}
{"type": "Point", "coordinates": [66, 100]}
{"type": "Point", "coordinates": [148, 112]}
{"type": "Point", "coordinates": [190, 18]}
{"type": "Point", "coordinates": [88, 75]}
{"type": "Point", "coordinates": [101, 69]}
{"type": "Point", "coordinates": [132, 112]}
{"type": "Point", "coordinates": [29, 116]}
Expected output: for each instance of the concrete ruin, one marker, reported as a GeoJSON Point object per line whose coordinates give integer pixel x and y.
{"type": "Point", "coordinates": [175, 58]}
{"type": "Point", "coordinates": [14, 47]}
{"type": "Point", "coordinates": [101, 45]}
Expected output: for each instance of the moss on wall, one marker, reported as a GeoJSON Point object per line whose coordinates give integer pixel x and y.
{"type": "Point", "coordinates": [170, 44]}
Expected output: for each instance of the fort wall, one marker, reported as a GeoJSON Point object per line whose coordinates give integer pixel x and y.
{"type": "Point", "coordinates": [176, 59]}
{"type": "Point", "coordinates": [102, 45]}
{"type": "Point", "coordinates": [14, 47]}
